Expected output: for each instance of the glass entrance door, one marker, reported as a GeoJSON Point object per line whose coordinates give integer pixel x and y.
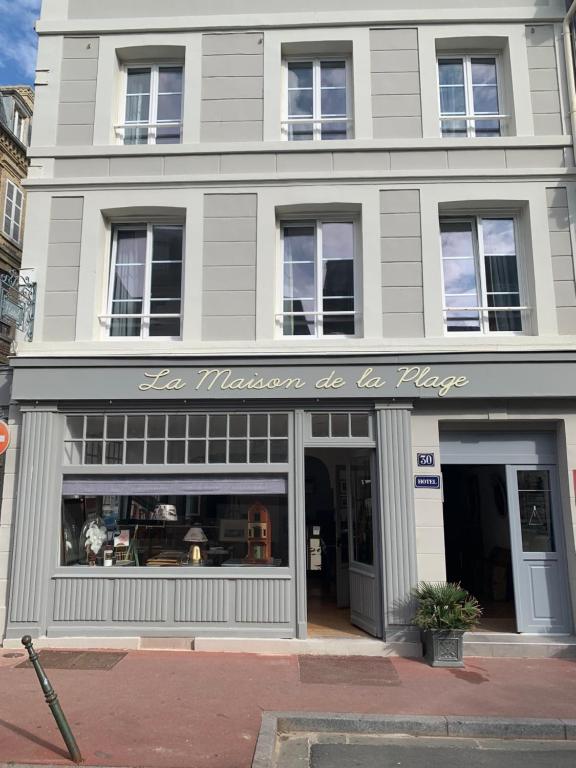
{"type": "Point", "coordinates": [540, 578]}
{"type": "Point", "coordinates": [364, 588]}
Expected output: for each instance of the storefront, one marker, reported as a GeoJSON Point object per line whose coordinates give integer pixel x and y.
{"type": "Point", "coordinates": [202, 499]}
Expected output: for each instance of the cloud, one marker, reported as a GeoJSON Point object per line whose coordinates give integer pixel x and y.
{"type": "Point", "coordinates": [18, 39]}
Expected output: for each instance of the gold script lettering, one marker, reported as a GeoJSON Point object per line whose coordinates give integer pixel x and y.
{"type": "Point", "coordinates": [158, 382]}
{"type": "Point", "coordinates": [422, 379]}
{"type": "Point", "coordinates": [367, 381]}
{"type": "Point", "coordinates": [330, 382]}
{"type": "Point", "coordinates": [222, 379]}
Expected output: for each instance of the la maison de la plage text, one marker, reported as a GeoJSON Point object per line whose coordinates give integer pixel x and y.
{"type": "Point", "coordinates": [224, 379]}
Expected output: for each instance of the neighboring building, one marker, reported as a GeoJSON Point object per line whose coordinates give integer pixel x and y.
{"type": "Point", "coordinates": [16, 106]}
{"type": "Point", "coordinates": [306, 321]}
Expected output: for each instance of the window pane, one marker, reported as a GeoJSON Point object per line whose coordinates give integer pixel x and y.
{"type": "Point", "coordinates": [453, 101]}
{"type": "Point", "coordinates": [451, 72]}
{"type": "Point", "coordinates": [278, 451]}
{"type": "Point", "coordinates": [217, 452]}
{"type": "Point", "coordinates": [238, 451]}
{"type": "Point", "coordinates": [128, 285]}
{"type": "Point", "coordinates": [135, 135]}
{"type": "Point", "coordinates": [238, 425]}
{"type": "Point", "coordinates": [259, 425]}
{"type": "Point", "coordinates": [454, 128]}
{"type": "Point", "coordinates": [137, 109]}
{"type": "Point", "coordinates": [73, 453]}
{"type": "Point", "coordinates": [535, 500]}
{"type": "Point", "coordinates": [320, 424]}
{"type": "Point", "coordinates": [135, 452]}
{"type": "Point", "coordinates": [155, 451]}
{"type": "Point", "coordinates": [338, 240]}
{"type": "Point", "coordinates": [487, 128]}
{"type": "Point", "coordinates": [338, 278]}
{"type": "Point", "coordinates": [170, 80]}
{"type": "Point", "coordinates": [501, 274]}
{"type": "Point", "coordinates": [300, 325]}
{"type": "Point", "coordinates": [177, 425]}
{"type": "Point", "coordinates": [360, 425]}
{"type": "Point", "coordinates": [114, 453]}
{"type": "Point", "coordinates": [138, 81]}
{"type": "Point", "coordinates": [333, 102]}
{"type": "Point", "coordinates": [457, 239]}
{"type": "Point", "coordinates": [498, 237]}
{"type": "Point", "coordinates": [167, 245]}
{"type": "Point", "coordinates": [131, 246]}
{"type": "Point", "coordinates": [339, 326]}
{"type": "Point", "coordinates": [93, 452]}
{"type": "Point", "coordinates": [75, 427]}
{"type": "Point", "coordinates": [484, 72]}
{"type": "Point", "coordinates": [485, 100]}
{"type": "Point", "coordinates": [333, 74]}
{"type": "Point", "coordinates": [169, 107]}
{"type": "Point", "coordinates": [135, 427]}
{"type": "Point", "coordinates": [301, 132]}
{"type": "Point", "coordinates": [258, 451]}
{"type": "Point", "coordinates": [165, 326]}
{"type": "Point", "coordinates": [94, 427]}
{"type": "Point", "coordinates": [156, 426]}
{"type": "Point", "coordinates": [196, 451]}
{"type": "Point", "coordinates": [334, 131]}
{"type": "Point", "coordinates": [299, 281]}
{"type": "Point", "coordinates": [176, 452]}
{"type": "Point", "coordinates": [460, 277]}
{"type": "Point", "coordinates": [300, 74]}
{"type": "Point", "coordinates": [197, 425]}
{"type": "Point", "coordinates": [299, 243]}
{"type": "Point", "coordinates": [218, 425]}
{"type": "Point", "coordinates": [300, 103]}
{"type": "Point", "coordinates": [166, 281]}
{"type": "Point", "coordinates": [279, 425]}
{"type": "Point", "coordinates": [115, 427]}
{"type": "Point", "coordinates": [339, 424]}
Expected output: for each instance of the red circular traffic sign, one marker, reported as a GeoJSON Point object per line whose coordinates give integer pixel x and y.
{"type": "Point", "coordinates": [4, 437]}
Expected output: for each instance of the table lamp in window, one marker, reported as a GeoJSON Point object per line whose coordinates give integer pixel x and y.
{"type": "Point", "coordinates": [196, 538]}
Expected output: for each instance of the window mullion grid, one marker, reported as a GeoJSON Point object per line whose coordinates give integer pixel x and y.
{"type": "Point", "coordinates": [316, 99]}
{"type": "Point", "coordinates": [153, 109]}
{"type": "Point", "coordinates": [484, 314]}
{"type": "Point", "coordinates": [145, 321]}
{"type": "Point", "coordinates": [319, 269]}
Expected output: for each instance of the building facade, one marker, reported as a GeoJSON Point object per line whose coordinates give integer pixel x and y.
{"type": "Point", "coordinates": [16, 107]}
{"type": "Point", "coordinates": [306, 320]}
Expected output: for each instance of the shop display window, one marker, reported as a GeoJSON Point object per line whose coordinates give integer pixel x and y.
{"type": "Point", "coordinates": [175, 530]}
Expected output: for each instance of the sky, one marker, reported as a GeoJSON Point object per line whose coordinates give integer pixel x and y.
{"type": "Point", "coordinates": [18, 41]}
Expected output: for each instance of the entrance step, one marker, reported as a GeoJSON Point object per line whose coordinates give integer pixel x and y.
{"type": "Point", "coordinates": [512, 645]}
{"type": "Point", "coordinates": [327, 646]}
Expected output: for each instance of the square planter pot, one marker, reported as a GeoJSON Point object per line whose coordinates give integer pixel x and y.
{"type": "Point", "coordinates": [444, 647]}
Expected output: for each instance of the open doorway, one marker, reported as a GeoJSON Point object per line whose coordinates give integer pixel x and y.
{"type": "Point", "coordinates": [478, 540]}
{"type": "Point", "coordinates": [341, 582]}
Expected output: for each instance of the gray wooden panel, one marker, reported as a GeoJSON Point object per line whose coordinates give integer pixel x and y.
{"type": "Point", "coordinates": [364, 601]}
{"type": "Point", "coordinates": [38, 491]}
{"type": "Point", "coordinates": [62, 269]}
{"type": "Point", "coordinates": [139, 600]}
{"type": "Point", "coordinates": [229, 274]}
{"type": "Point", "coordinates": [199, 601]}
{"type": "Point", "coordinates": [78, 599]}
{"type": "Point", "coordinates": [562, 258]}
{"type": "Point", "coordinates": [260, 601]}
{"type": "Point", "coordinates": [401, 263]}
{"type": "Point", "coordinates": [544, 88]}
{"type": "Point", "coordinates": [232, 102]}
{"type": "Point", "coordinates": [396, 98]}
{"type": "Point", "coordinates": [78, 91]}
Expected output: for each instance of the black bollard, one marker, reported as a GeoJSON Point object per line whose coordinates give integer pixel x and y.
{"type": "Point", "coordinates": [52, 701]}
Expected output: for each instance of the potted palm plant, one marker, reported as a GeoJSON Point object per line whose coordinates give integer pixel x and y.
{"type": "Point", "coordinates": [444, 612]}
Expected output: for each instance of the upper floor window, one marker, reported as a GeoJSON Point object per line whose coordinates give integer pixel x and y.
{"type": "Point", "coordinates": [145, 294]}
{"type": "Point", "coordinates": [20, 126]}
{"type": "Point", "coordinates": [152, 111]}
{"type": "Point", "coordinates": [469, 96]}
{"type": "Point", "coordinates": [482, 291]}
{"type": "Point", "coordinates": [13, 211]}
{"type": "Point", "coordinates": [319, 282]}
{"type": "Point", "coordinates": [318, 103]}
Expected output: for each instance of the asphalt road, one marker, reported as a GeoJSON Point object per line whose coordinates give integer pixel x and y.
{"type": "Point", "coordinates": [446, 753]}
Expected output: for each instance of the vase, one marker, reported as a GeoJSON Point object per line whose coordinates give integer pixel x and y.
{"type": "Point", "coordinates": [444, 647]}
{"type": "Point", "coordinates": [92, 538]}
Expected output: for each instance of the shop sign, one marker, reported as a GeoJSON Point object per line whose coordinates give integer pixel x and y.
{"type": "Point", "coordinates": [368, 380]}
{"type": "Point", "coordinates": [4, 437]}
{"type": "Point", "coordinates": [427, 481]}
{"type": "Point", "coordinates": [425, 459]}
{"type": "Point", "coordinates": [18, 302]}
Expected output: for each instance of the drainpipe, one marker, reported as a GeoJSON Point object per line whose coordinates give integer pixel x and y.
{"type": "Point", "coordinates": [569, 56]}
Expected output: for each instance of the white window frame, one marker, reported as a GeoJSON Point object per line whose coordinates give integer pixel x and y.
{"type": "Point", "coordinates": [317, 120]}
{"type": "Point", "coordinates": [471, 117]}
{"type": "Point", "coordinates": [17, 208]}
{"type": "Point", "coordinates": [318, 221]}
{"type": "Point", "coordinates": [152, 123]}
{"type": "Point", "coordinates": [483, 310]}
{"type": "Point", "coordinates": [145, 316]}
{"type": "Point", "coordinates": [20, 124]}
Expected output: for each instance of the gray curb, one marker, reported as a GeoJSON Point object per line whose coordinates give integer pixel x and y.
{"type": "Point", "coordinates": [275, 723]}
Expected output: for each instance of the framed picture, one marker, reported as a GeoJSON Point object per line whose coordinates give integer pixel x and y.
{"type": "Point", "coordinates": [233, 530]}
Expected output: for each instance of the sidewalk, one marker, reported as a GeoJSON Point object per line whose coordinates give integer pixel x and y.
{"type": "Point", "coordinates": [202, 710]}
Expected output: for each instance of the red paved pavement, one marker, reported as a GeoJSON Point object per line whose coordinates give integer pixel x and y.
{"type": "Point", "coordinates": [202, 710]}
